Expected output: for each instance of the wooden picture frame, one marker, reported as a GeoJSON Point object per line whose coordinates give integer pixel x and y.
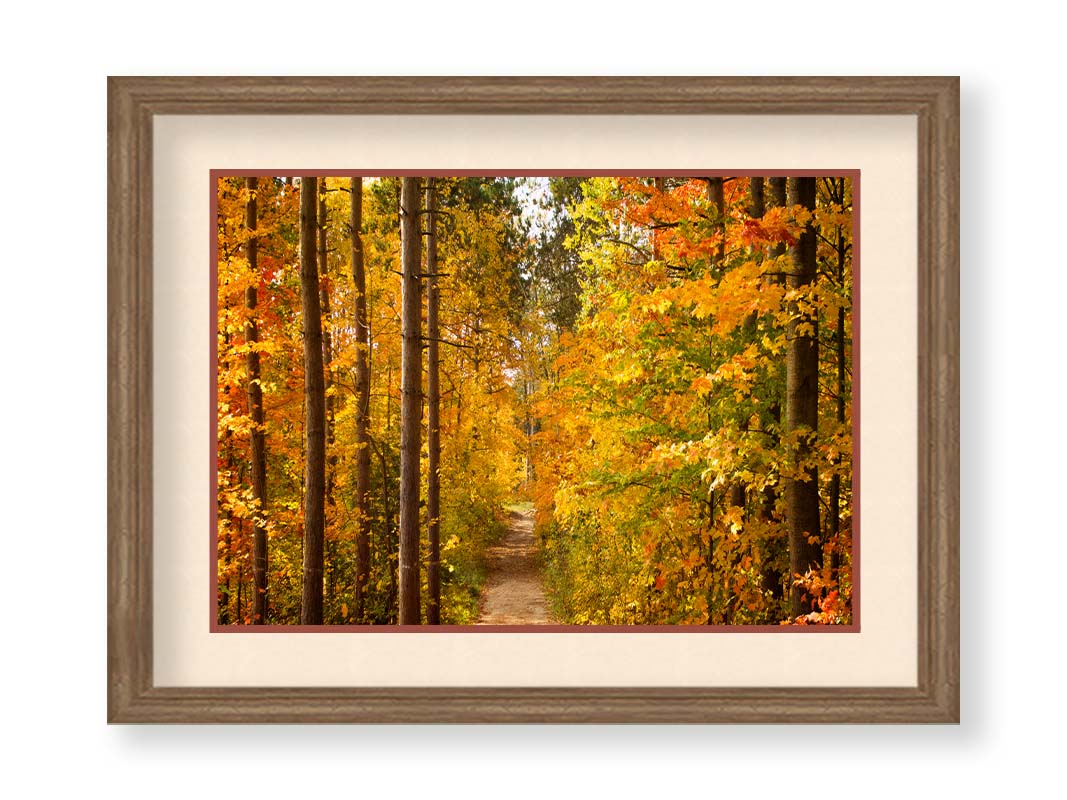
{"type": "Point", "coordinates": [132, 104]}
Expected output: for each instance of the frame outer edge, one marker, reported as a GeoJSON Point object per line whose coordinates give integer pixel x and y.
{"type": "Point", "coordinates": [129, 419]}
{"type": "Point", "coordinates": [938, 401]}
{"type": "Point", "coordinates": [132, 102]}
{"type": "Point", "coordinates": [472, 705]}
{"type": "Point", "coordinates": [533, 95]}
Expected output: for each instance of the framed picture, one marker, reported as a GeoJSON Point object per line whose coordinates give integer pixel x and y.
{"type": "Point", "coordinates": [591, 251]}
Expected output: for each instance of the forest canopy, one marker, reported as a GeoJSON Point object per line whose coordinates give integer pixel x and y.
{"type": "Point", "coordinates": [627, 399]}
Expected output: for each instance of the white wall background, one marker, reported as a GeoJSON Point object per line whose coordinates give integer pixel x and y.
{"type": "Point", "coordinates": [52, 251]}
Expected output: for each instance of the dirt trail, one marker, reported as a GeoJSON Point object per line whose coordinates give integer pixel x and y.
{"type": "Point", "coordinates": [513, 594]}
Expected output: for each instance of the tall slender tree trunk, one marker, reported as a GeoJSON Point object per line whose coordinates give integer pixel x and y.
{"type": "Point", "coordinates": [359, 279]}
{"type": "Point", "coordinates": [834, 523]}
{"type": "Point", "coordinates": [389, 538]}
{"type": "Point", "coordinates": [756, 208]}
{"type": "Point", "coordinates": [716, 197]}
{"type": "Point", "coordinates": [778, 191]}
{"type": "Point", "coordinates": [802, 397]}
{"type": "Point", "coordinates": [660, 185]}
{"type": "Point", "coordinates": [327, 340]}
{"type": "Point", "coordinates": [757, 204]}
{"type": "Point", "coordinates": [224, 592]}
{"type": "Point", "coordinates": [433, 417]}
{"type": "Point", "coordinates": [315, 410]}
{"type": "Point", "coordinates": [255, 410]}
{"type": "Point", "coordinates": [773, 195]}
{"type": "Point", "coordinates": [411, 401]}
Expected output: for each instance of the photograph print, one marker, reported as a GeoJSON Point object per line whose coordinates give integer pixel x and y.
{"type": "Point", "coordinates": [534, 402]}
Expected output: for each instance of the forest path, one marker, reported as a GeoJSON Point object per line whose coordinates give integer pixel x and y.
{"type": "Point", "coordinates": [513, 593]}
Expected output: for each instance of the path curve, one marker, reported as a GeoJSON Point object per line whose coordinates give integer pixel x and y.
{"type": "Point", "coordinates": [513, 593]}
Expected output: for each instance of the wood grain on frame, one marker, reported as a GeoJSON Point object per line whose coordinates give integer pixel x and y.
{"type": "Point", "coordinates": [132, 103]}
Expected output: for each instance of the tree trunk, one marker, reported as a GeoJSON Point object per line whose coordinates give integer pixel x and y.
{"type": "Point", "coordinates": [802, 388]}
{"type": "Point", "coordinates": [757, 206]}
{"type": "Point", "coordinates": [735, 496]}
{"type": "Point", "coordinates": [661, 187]}
{"type": "Point", "coordinates": [224, 593]}
{"type": "Point", "coordinates": [716, 195]}
{"type": "Point", "coordinates": [255, 410]}
{"type": "Point", "coordinates": [411, 402]}
{"type": "Point", "coordinates": [389, 539]}
{"type": "Point", "coordinates": [778, 191]}
{"type": "Point", "coordinates": [327, 341]}
{"type": "Point", "coordinates": [834, 523]}
{"type": "Point", "coordinates": [775, 193]}
{"type": "Point", "coordinates": [315, 411]}
{"type": "Point", "coordinates": [359, 279]}
{"type": "Point", "coordinates": [433, 418]}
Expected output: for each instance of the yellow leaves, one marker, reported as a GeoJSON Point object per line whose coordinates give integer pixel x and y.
{"type": "Point", "coordinates": [628, 373]}
{"type": "Point", "coordinates": [774, 344]}
{"type": "Point", "coordinates": [658, 302]}
{"type": "Point", "coordinates": [831, 217]}
{"type": "Point", "coordinates": [698, 294]}
{"type": "Point", "coordinates": [702, 384]}
{"type": "Point", "coordinates": [733, 518]}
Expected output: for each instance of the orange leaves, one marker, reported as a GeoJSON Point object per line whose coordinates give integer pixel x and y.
{"type": "Point", "coordinates": [830, 599]}
{"type": "Point", "coordinates": [702, 384]}
{"type": "Point", "coordinates": [778, 225]}
{"type": "Point", "coordinates": [727, 302]}
{"type": "Point", "coordinates": [832, 610]}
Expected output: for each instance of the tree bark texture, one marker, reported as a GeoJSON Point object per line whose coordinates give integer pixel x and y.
{"type": "Point", "coordinates": [255, 411]}
{"type": "Point", "coordinates": [716, 195]}
{"type": "Point", "coordinates": [757, 205]}
{"type": "Point", "coordinates": [359, 280]}
{"type": "Point", "coordinates": [660, 185]}
{"type": "Point", "coordinates": [411, 401]}
{"type": "Point", "coordinates": [777, 188]}
{"type": "Point", "coordinates": [433, 420]}
{"type": "Point", "coordinates": [834, 523]}
{"type": "Point", "coordinates": [315, 410]}
{"type": "Point", "coordinates": [327, 343]}
{"type": "Point", "coordinates": [802, 388]}
{"type": "Point", "coordinates": [716, 199]}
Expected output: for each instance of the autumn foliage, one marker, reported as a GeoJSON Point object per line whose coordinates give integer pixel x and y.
{"type": "Point", "coordinates": [662, 452]}
{"type": "Point", "coordinates": [612, 349]}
